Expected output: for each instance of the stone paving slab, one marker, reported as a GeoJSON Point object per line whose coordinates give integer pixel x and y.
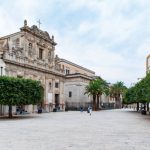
{"type": "Point", "coordinates": [103, 130]}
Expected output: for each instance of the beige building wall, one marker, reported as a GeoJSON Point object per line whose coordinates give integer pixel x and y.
{"type": "Point", "coordinates": [72, 68]}
{"type": "Point", "coordinates": [74, 90]}
{"type": "Point", "coordinates": [77, 78]}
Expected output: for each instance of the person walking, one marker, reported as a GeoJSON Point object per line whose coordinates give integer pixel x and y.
{"type": "Point", "coordinates": [90, 110]}
{"type": "Point", "coordinates": [81, 109]}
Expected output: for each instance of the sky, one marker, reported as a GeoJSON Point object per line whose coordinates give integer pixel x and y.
{"type": "Point", "coordinates": [110, 37]}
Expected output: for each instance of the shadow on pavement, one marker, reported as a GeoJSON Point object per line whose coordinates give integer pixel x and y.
{"type": "Point", "coordinates": [19, 117]}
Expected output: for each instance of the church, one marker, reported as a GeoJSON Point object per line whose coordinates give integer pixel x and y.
{"type": "Point", "coordinates": [30, 53]}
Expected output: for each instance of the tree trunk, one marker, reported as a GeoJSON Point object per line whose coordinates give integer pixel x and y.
{"type": "Point", "coordinates": [100, 101]}
{"type": "Point", "coordinates": [1, 111]}
{"type": "Point", "coordinates": [137, 106]}
{"type": "Point", "coordinates": [10, 111]}
{"type": "Point", "coordinates": [148, 106]}
{"type": "Point", "coordinates": [145, 106]}
{"type": "Point", "coordinates": [119, 102]}
{"type": "Point", "coordinates": [94, 102]}
{"type": "Point", "coordinates": [116, 102]}
{"type": "Point", "coordinates": [97, 102]}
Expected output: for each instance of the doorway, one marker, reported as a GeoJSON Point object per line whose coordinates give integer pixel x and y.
{"type": "Point", "coordinates": [56, 100]}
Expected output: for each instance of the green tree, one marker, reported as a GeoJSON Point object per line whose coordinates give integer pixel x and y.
{"type": "Point", "coordinates": [96, 88]}
{"type": "Point", "coordinates": [102, 88]}
{"type": "Point", "coordinates": [116, 91]}
{"type": "Point", "coordinates": [16, 91]}
{"type": "Point", "coordinates": [139, 93]}
{"type": "Point", "coordinates": [91, 89]}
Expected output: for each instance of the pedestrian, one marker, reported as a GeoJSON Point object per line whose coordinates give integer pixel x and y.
{"type": "Point", "coordinates": [90, 110]}
{"type": "Point", "coordinates": [81, 109]}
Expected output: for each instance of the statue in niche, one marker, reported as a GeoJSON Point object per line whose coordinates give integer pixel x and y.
{"type": "Point", "coordinates": [50, 56]}
{"type": "Point", "coordinates": [57, 65]}
{"type": "Point", "coordinates": [56, 59]}
{"type": "Point", "coordinates": [30, 50]}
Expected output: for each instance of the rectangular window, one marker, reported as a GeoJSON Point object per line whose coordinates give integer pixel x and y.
{"type": "Point", "coordinates": [50, 86]}
{"type": "Point", "coordinates": [56, 85]}
{"type": "Point", "coordinates": [67, 71]}
{"type": "Point", "coordinates": [63, 67]}
{"type": "Point", "coordinates": [70, 94]}
{"type": "Point", "coordinates": [40, 53]}
{"type": "Point", "coordinates": [19, 76]}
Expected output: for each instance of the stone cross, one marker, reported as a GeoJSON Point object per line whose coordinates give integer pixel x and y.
{"type": "Point", "coordinates": [39, 22]}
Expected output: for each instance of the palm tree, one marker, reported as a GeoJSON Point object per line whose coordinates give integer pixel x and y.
{"type": "Point", "coordinates": [96, 88]}
{"type": "Point", "coordinates": [103, 88]}
{"type": "Point", "coordinates": [116, 91]}
{"type": "Point", "coordinates": [91, 89]}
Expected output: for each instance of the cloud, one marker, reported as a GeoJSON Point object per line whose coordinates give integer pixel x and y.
{"type": "Point", "coordinates": [110, 37]}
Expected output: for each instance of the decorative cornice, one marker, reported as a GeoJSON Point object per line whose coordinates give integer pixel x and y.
{"type": "Point", "coordinates": [79, 75]}
{"type": "Point", "coordinates": [34, 68]}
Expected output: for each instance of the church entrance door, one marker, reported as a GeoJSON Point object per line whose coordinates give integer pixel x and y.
{"type": "Point", "coordinates": [57, 101]}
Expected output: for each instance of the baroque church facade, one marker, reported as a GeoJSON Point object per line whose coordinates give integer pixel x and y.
{"type": "Point", "coordinates": [30, 53]}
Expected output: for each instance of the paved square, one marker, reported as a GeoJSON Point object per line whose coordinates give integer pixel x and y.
{"type": "Point", "coordinates": [104, 130]}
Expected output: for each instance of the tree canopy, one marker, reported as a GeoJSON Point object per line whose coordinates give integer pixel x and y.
{"type": "Point", "coordinates": [19, 91]}
{"type": "Point", "coordinates": [139, 93]}
{"type": "Point", "coordinates": [96, 88]}
{"type": "Point", "coordinates": [117, 90]}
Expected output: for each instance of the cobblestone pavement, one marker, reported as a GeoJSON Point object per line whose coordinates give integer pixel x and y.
{"type": "Point", "coordinates": [103, 130]}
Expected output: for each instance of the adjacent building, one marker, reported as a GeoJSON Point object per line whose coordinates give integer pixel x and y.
{"type": "Point", "coordinates": [77, 77]}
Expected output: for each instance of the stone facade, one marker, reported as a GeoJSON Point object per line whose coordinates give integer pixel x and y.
{"type": "Point", "coordinates": [30, 53]}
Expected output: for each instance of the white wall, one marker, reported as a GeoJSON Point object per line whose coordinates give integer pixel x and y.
{"type": "Point", "coordinates": [78, 96]}
{"type": "Point", "coordinates": [2, 64]}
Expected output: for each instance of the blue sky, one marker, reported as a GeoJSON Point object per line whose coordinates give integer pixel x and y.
{"type": "Point", "coordinates": [110, 37]}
